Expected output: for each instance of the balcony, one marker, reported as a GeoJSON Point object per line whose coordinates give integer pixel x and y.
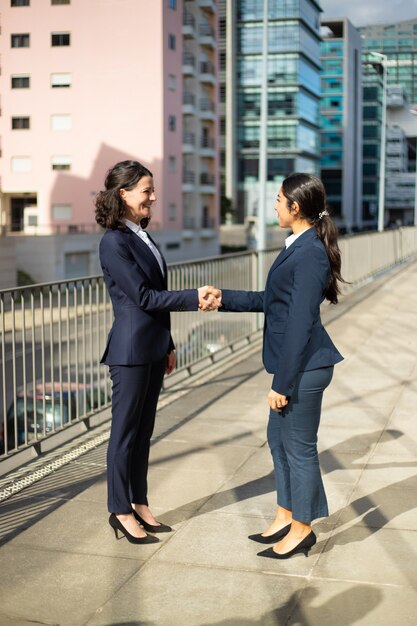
{"type": "Point", "coordinates": [207, 109]}
{"type": "Point", "coordinates": [207, 182]}
{"type": "Point", "coordinates": [188, 103]}
{"type": "Point", "coordinates": [188, 64]}
{"type": "Point", "coordinates": [207, 146]}
{"type": "Point", "coordinates": [207, 35]}
{"type": "Point", "coordinates": [207, 73]}
{"type": "Point", "coordinates": [207, 5]}
{"type": "Point", "coordinates": [188, 25]}
{"type": "Point", "coordinates": [188, 180]}
{"type": "Point", "coordinates": [188, 142]}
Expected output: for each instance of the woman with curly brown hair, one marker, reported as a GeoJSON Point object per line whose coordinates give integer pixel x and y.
{"type": "Point", "coordinates": [140, 349]}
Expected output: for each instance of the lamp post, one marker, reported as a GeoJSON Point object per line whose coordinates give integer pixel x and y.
{"type": "Point", "coordinates": [381, 199]}
{"type": "Point", "coordinates": [263, 143]}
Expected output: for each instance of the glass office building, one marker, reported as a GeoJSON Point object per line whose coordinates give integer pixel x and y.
{"type": "Point", "coordinates": [372, 93]}
{"type": "Point", "coordinates": [293, 96]}
{"type": "Point", "coordinates": [341, 121]}
{"type": "Point", "coordinates": [399, 43]}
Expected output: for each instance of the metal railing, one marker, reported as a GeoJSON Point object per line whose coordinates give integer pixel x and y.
{"type": "Point", "coordinates": [53, 334]}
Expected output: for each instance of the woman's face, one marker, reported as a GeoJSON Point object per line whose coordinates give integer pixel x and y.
{"type": "Point", "coordinates": [138, 201]}
{"type": "Point", "coordinates": [285, 218]}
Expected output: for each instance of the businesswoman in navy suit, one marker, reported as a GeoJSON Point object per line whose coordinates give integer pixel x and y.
{"type": "Point", "coordinates": [300, 354]}
{"type": "Point", "coordinates": [140, 349]}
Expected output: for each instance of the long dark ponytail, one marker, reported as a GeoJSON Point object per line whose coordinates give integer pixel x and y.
{"type": "Point", "coordinates": [308, 191]}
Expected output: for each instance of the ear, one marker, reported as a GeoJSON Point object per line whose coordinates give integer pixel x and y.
{"type": "Point", "coordinates": [122, 193]}
{"type": "Point", "coordinates": [295, 208]}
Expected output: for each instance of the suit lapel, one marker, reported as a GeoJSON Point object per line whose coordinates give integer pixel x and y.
{"type": "Point", "coordinates": [145, 252]}
{"type": "Point", "coordinates": [286, 252]}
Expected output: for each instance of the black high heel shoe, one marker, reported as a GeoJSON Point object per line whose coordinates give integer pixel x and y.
{"type": "Point", "coordinates": [117, 525]}
{"type": "Point", "coordinates": [271, 538]}
{"type": "Point", "coordinates": [304, 546]}
{"type": "Point", "coordinates": [152, 528]}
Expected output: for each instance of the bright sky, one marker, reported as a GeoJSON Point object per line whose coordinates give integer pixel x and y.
{"type": "Point", "coordinates": [364, 12]}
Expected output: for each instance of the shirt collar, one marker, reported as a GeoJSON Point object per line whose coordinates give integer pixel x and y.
{"type": "Point", "coordinates": [137, 228]}
{"type": "Point", "coordinates": [289, 240]}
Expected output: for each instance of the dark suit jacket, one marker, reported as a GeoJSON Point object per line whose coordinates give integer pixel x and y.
{"type": "Point", "coordinates": [294, 337]}
{"type": "Point", "coordinates": [138, 290]}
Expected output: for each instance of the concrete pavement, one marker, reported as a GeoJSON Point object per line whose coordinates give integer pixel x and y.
{"type": "Point", "coordinates": [211, 479]}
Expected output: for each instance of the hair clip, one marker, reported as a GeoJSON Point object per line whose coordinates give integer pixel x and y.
{"type": "Point", "coordinates": [322, 214]}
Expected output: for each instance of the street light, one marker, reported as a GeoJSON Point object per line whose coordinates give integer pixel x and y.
{"type": "Point", "coordinates": [381, 200]}
{"type": "Point", "coordinates": [263, 142]}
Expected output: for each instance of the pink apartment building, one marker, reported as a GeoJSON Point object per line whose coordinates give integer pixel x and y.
{"type": "Point", "coordinates": [85, 84]}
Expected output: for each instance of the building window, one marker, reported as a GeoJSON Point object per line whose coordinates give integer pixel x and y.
{"type": "Point", "coordinates": [222, 60]}
{"type": "Point", "coordinates": [20, 40]}
{"type": "Point", "coordinates": [172, 4]}
{"type": "Point", "coordinates": [60, 2]}
{"type": "Point", "coordinates": [60, 39]}
{"type": "Point", "coordinates": [172, 212]}
{"type": "Point", "coordinates": [61, 162]}
{"type": "Point", "coordinates": [20, 123]}
{"type": "Point", "coordinates": [62, 211]}
{"type": "Point", "coordinates": [222, 92]}
{"type": "Point", "coordinates": [21, 164]}
{"type": "Point", "coordinates": [20, 3]}
{"type": "Point", "coordinates": [61, 122]}
{"type": "Point", "coordinates": [61, 80]}
{"type": "Point", "coordinates": [222, 28]}
{"type": "Point", "coordinates": [172, 82]}
{"type": "Point", "coordinates": [171, 41]}
{"type": "Point", "coordinates": [172, 122]}
{"type": "Point", "coordinates": [172, 164]}
{"type": "Point", "coordinates": [20, 82]}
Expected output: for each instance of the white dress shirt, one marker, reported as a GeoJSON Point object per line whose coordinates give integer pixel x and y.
{"type": "Point", "coordinates": [289, 240]}
{"type": "Point", "coordinates": [138, 230]}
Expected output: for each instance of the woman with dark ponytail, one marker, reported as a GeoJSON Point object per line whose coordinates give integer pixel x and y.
{"type": "Point", "coordinates": [300, 354]}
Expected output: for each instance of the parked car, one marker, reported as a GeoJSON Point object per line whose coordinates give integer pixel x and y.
{"type": "Point", "coordinates": [50, 413]}
{"type": "Point", "coordinates": [208, 336]}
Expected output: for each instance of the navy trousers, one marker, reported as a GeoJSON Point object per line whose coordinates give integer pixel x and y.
{"type": "Point", "coordinates": [135, 395]}
{"type": "Point", "coordinates": [292, 438]}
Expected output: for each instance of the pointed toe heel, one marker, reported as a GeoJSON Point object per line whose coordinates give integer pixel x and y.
{"type": "Point", "coordinates": [117, 525]}
{"type": "Point", "coordinates": [303, 547]}
{"type": "Point", "coordinates": [152, 528]}
{"type": "Point", "coordinates": [271, 538]}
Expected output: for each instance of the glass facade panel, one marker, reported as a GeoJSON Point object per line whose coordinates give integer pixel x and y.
{"type": "Point", "coordinates": [309, 77]}
{"type": "Point", "coordinates": [331, 85]}
{"type": "Point", "coordinates": [332, 48]}
{"type": "Point", "coordinates": [308, 108]}
{"type": "Point", "coordinates": [307, 139]}
{"type": "Point", "coordinates": [332, 103]}
{"type": "Point", "coordinates": [332, 66]}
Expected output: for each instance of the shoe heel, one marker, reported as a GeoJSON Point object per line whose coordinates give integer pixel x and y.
{"type": "Point", "coordinates": [116, 534]}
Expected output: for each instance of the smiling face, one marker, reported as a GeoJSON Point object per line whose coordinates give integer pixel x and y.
{"type": "Point", "coordinates": [138, 200]}
{"type": "Point", "coordinates": [285, 217]}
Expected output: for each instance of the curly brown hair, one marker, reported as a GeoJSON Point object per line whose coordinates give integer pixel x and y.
{"type": "Point", "coordinates": [110, 209]}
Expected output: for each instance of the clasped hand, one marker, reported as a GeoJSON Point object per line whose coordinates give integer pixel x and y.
{"type": "Point", "coordinates": [209, 298]}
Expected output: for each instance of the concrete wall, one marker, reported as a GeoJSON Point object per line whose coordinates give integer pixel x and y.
{"type": "Point", "coordinates": [8, 271]}
{"type": "Point", "coordinates": [44, 257]}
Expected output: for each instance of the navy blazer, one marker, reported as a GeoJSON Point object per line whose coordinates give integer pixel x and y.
{"type": "Point", "coordinates": [141, 331]}
{"type": "Point", "coordinates": [294, 337]}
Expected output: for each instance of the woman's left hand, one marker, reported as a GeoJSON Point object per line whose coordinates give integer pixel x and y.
{"type": "Point", "coordinates": [171, 362]}
{"type": "Point", "coordinates": [277, 401]}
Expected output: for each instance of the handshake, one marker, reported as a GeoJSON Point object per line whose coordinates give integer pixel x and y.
{"type": "Point", "coordinates": [209, 298]}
